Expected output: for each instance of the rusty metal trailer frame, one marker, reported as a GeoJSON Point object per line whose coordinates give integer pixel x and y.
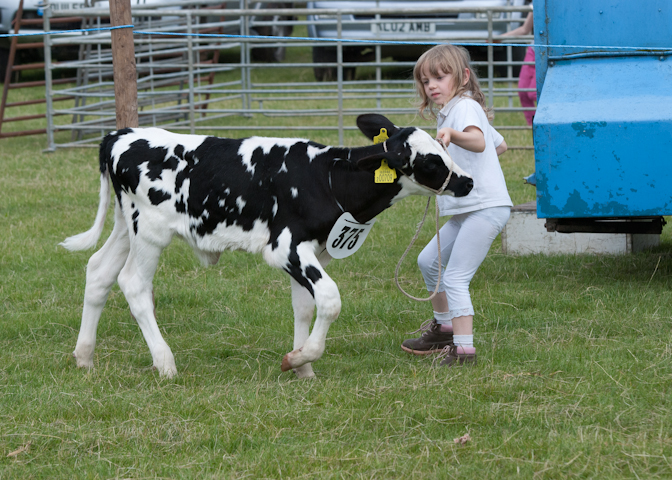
{"type": "Point", "coordinates": [14, 85]}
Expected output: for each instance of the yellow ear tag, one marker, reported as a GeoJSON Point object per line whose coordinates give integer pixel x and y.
{"type": "Point", "coordinates": [385, 174]}
{"type": "Point", "coordinates": [381, 137]}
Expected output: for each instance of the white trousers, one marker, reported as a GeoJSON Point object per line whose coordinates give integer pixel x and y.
{"type": "Point", "coordinates": [465, 241]}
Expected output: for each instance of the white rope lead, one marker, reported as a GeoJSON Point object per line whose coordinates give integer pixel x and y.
{"type": "Point", "coordinates": [417, 233]}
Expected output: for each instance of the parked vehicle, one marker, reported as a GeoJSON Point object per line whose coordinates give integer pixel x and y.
{"type": "Point", "coordinates": [33, 11]}
{"type": "Point", "coordinates": [404, 27]}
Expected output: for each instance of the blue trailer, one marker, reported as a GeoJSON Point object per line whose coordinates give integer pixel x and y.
{"type": "Point", "coordinates": [603, 125]}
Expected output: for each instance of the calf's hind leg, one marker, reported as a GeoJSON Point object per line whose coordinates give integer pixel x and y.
{"type": "Point", "coordinates": [135, 280]}
{"type": "Point", "coordinates": [101, 273]}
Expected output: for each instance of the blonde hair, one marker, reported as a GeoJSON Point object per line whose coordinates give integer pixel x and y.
{"type": "Point", "coordinates": [449, 59]}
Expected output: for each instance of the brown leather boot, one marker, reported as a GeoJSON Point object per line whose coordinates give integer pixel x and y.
{"type": "Point", "coordinates": [453, 358]}
{"type": "Point", "coordinates": [432, 340]}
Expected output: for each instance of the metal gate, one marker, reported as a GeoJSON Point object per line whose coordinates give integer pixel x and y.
{"type": "Point", "coordinates": [199, 71]}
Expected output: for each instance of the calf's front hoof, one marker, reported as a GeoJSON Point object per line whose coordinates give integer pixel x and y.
{"type": "Point", "coordinates": [286, 366]}
{"type": "Point", "coordinates": [290, 361]}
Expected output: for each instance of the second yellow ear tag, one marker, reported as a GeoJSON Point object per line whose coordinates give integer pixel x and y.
{"type": "Point", "coordinates": [380, 138]}
{"type": "Point", "coordinates": [385, 174]}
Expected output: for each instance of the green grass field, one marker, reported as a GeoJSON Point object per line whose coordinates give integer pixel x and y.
{"type": "Point", "coordinates": [574, 377]}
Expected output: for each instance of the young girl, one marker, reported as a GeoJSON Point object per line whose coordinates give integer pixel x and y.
{"type": "Point", "coordinates": [444, 78]}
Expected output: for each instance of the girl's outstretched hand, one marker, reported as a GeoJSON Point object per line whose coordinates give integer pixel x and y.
{"type": "Point", "coordinates": [444, 135]}
{"type": "Point", "coordinates": [471, 138]}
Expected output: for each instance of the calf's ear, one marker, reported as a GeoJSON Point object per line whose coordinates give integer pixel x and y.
{"type": "Point", "coordinates": [371, 123]}
{"type": "Point", "coordinates": [373, 162]}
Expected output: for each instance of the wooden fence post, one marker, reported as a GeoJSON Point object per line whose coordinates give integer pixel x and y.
{"type": "Point", "coordinates": [123, 61]}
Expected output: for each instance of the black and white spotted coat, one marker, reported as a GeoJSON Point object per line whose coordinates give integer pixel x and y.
{"type": "Point", "coordinates": [276, 196]}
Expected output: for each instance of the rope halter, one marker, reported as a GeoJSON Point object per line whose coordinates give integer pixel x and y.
{"type": "Point", "coordinates": [445, 184]}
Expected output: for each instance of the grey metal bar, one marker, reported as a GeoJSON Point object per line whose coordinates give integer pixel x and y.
{"type": "Point", "coordinates": [51, 145]}
{"type": "Point", "coordinates": [339, 60]}
{"type": "Point", "coordinates": [190, 58]}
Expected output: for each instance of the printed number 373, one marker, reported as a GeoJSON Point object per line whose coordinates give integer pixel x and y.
{"type": "Point", "coordinates": [347, 235]}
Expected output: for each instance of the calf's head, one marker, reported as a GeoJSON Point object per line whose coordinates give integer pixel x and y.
{"type": "Point", "coordinates": [416, 154]}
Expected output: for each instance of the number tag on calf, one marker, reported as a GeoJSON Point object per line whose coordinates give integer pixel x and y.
{"type": "Point", "coordinates": [347, 235]}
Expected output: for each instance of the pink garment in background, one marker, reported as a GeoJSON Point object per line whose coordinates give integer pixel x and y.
{"type": "Point", "coordinates": [527, 79]}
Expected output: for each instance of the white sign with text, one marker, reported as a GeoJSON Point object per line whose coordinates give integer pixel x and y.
{"type": "Point", "coordinates": [347, 235]}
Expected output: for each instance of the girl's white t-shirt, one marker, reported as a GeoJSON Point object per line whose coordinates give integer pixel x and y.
{"type": "Point", "coordinates": [489, 184]}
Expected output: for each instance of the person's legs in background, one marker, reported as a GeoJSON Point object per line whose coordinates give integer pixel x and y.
{"type": "Point", "coordinates": [528, 80]}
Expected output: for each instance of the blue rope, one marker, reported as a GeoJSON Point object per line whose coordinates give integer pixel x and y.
{"type": "Point", "coordinates": [393, 42]}
{"type": "Point", "coordinates": [662, 50]}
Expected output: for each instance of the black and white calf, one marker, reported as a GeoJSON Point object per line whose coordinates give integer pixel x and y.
{"type": "Point", "coordinates": [275, 196]}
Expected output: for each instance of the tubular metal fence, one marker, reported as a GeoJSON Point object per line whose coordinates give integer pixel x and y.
{"type": "Point", "coordinates": [198, 69]}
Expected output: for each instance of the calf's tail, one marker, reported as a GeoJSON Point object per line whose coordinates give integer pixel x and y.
{"type": "Point", "coordinates": [88, 239]}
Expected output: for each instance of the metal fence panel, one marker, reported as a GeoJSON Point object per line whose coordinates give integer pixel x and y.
{"type": "Point", "coordinates": [198, 70]}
